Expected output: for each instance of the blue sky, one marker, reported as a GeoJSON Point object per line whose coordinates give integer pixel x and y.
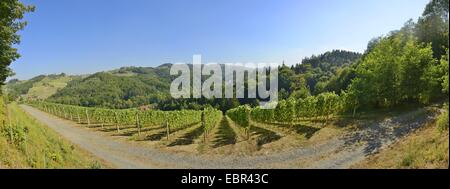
{"type": "Point", "coordinates": [86, 36]}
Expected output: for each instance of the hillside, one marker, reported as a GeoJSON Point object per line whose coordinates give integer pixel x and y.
{"type": "Point", "coordinates": [28, 143]}
{"type": "Point", "coordinates": [318, 70]}
{"type": "Point", "coordinates": [328, 62]}
{"type": "Point", "coordinates": [123, 88]}
{"type": "Point", "coordinates": [40, 87]}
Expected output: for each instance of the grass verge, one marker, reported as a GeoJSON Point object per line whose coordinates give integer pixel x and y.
{"type": "Point", "coordinates": [27, 143]}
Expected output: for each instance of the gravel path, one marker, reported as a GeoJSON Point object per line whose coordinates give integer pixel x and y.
{"type": "Point", "coordinates": [345, 151]}
{"type": "Point", "coordinates": [376, 135]}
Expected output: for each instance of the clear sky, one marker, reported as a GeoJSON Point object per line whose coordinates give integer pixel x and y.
{"type": "Point", "coordinates": [86, 36]}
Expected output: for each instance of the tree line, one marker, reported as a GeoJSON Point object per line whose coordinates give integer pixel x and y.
{"type": "Point", "coordinates": [408, 66]}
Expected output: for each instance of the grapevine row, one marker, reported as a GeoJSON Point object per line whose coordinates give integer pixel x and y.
{"type": "Point", "coordinates": [287, 111]}
{"type": "Point", "coordinates": [176, 120]}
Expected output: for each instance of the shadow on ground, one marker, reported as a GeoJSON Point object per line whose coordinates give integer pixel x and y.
{"type": "Point", "coordinates": [225, 135]}
{"type": "Point", "coordinates": [133, 131]}
{"type": "Point", "coordinates": [264, 136]}
{"type": "Point", "coordinates": [301, 129]}
{"type": "Point", "coordinates": [188, 138]}
{"type": "Point", "coordinates": [377, 133]}
{"type": "Point", "coordinates": [163, 133]}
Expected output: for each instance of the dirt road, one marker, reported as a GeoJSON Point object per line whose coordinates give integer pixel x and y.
{"type": "Point", "coordinates": [339, 152]}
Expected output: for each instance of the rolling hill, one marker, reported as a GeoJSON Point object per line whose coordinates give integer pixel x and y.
{"type": "Point", "coordinates": [123, 88]}
{"type": "Point", "coordinates": [40, 87]}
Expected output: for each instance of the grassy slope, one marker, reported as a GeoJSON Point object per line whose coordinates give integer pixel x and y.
{"type": "Point", "coordinates": [426, 148]}
{"type": "Point", "coordinates": [47, 87]}
{"type": "Point", "coordinates": [36, 146]}
{"type": "Point", "coordinates": [40, 87]}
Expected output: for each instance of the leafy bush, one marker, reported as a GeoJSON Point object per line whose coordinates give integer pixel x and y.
{"type": "Point", "coordinates": [442, 121]}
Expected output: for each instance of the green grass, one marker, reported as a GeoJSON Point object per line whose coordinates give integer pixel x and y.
{"type": "Point", "coordinates": [27, 143]}
{"type": "Point", "coordinates": [47, 87]}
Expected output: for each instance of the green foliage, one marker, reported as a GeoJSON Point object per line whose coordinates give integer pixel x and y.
{"type": "Point", "coordinates": [11, 14]}
{"type": "Point", "coordinates": [402, 67]}
{"type": "Point", "coordinates": [131, 87]}
{"type": "Point", "coordinates": [27, 143]}
{"type": "Point", "coordinates": [379, 69]}
{"type": "Point", "coordinates": [212, 117]}
{"type": "Point", "coordinates": [263, 115]}
{"type": "Point", "coordinates": [341, 80]}
{"type": "Point", "coordinates": [40, 87]}
{"type": "Point", "coordinates": [240, 115]}
{"type": "Point", "coordinates": [444, 67]}
{"type": "Point", "coordinates": [17, 134]}
{"type": "Point", "coordinates": [352, 98]}
{"type": "Point", "coordinates": [285, 111]}
{"type": "Point", "coordinates": [395, 71]}
{"type": "Point", "coordinates": [176, 119]}
{"type": "Point", "coordinates": [318, 70]}
{"type": "Point", "coordinates": [288, 111]}
{"type": "Point", "coordinates": [433, 26]}
{"type": "Point", "coordinates": [114, 91]}
{"type": "Point", "coordinates": [442, 120]}
{"type": "Point", "coordinates": [331, 103]}
{"type": "Point", "coordinates": [415, 62]}
{"type": "Point", "coordinates": [95, 165]}
{"type": "Point", "coordinates": [15, 88]}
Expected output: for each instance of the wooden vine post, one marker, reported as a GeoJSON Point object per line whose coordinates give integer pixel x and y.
{"type": "Point", "coordinates": [116, 119]}
{"type": "Point", "coordinates": [79, 119]}
{"type": "Point", "coordinates": [167, 127]}
{"type": "Point", "coordinates": [87, 117]}
{"type": "Point", "coordinates": [64, 112]}
{"type": "Point", "coordinates": [102, 120]}
{"type": "Point", "coordinates": [204, 125]}
{"type": "Point", "coordinates": [137, 124]}
{"type": "Point", "coordinates": [249, 124]}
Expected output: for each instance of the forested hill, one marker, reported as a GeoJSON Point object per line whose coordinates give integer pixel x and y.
{"type": "Point", "coordinates": [318, 70]}
{"type": "Point", "coordinates": [123, 88]}
{"type": "Point", "coordinates": [328, 62]}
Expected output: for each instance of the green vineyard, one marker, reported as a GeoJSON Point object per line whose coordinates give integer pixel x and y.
{"type": "Point", "coordinates": [322, 106]}
{"type": "Point", "coordinates": [245, 122]}
{"type": "Point", "coordinates": [172, 121]}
